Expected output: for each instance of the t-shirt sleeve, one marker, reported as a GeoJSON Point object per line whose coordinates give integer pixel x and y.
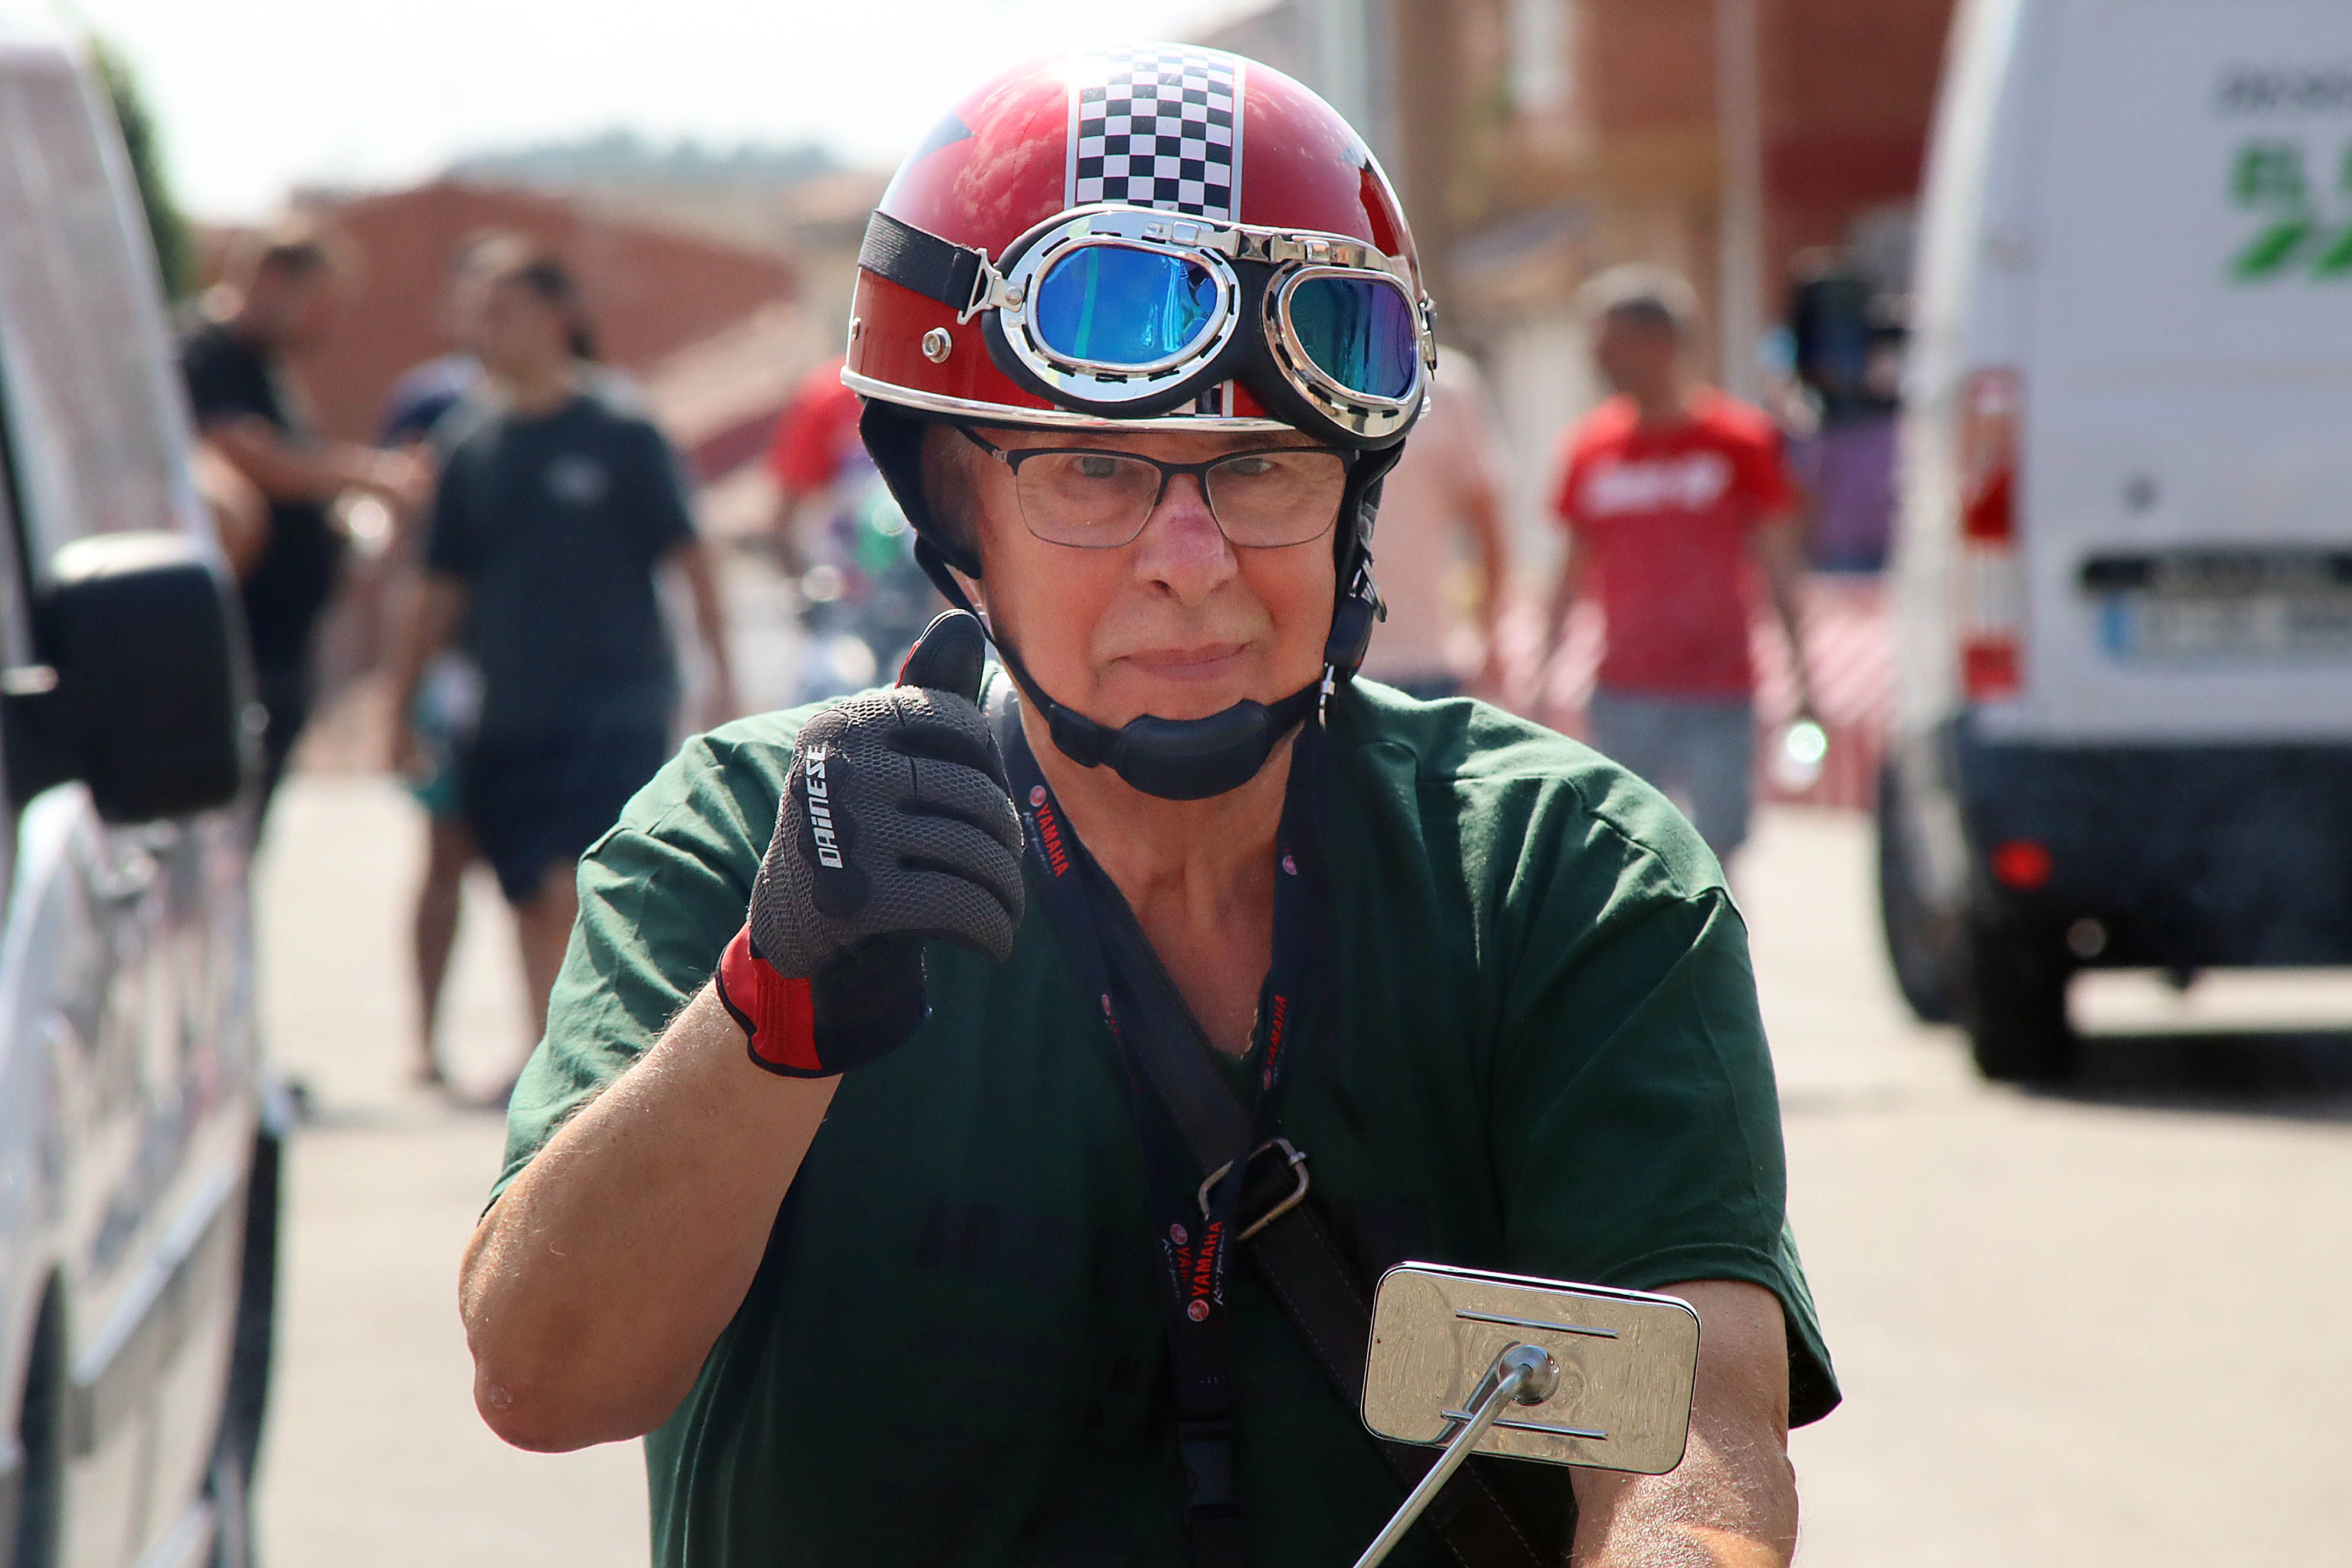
{"type": "Point", "coordinates": [1764, 473]}
{"type": "Point", "coordinates": [216, 390]}
{"type": "Point", "coordinates": [662, 496]}
{"type": "Point", "coordinates": [800, 457]}
{"type": "Point", "coordinates": [1633, 1063]}
{"type": "Point", "coordinates": [661, 895]}
{"type": "Point", "coordinates": [816, 429]}
{"type": "Point", "coordinates": [1566, 487]}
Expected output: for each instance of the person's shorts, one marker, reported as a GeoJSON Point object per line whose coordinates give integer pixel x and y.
{"type": "Point", "coordinates": [1700, 752]}
{"type": "Point", "coordinates": [538, 804]}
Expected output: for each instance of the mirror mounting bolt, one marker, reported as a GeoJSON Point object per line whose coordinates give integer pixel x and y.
{"type": "Point", "coordinates": [1541, 1373]}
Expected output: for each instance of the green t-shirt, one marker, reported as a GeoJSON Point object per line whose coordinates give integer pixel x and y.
{"type": "Point", "coordinates": [1548, 1062]}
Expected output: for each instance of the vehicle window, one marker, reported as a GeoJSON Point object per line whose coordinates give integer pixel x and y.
{"type": "Point", "coordinates": [95, 438]}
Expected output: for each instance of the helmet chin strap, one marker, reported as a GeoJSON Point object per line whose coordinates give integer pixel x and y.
{"type": "Point", "coordinates": [1185, 759]}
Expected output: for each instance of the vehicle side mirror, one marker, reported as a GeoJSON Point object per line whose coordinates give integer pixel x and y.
{"type": "Point", "coordinates": [1493, 1364]}
{"type": "Point", "coordinates": [144, 682]}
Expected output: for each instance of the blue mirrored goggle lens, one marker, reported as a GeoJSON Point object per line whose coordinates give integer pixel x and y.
{"type": "Point", "coordinates": [1359, 332]}
{"type": "Point", "coordinates": [1119, 306]}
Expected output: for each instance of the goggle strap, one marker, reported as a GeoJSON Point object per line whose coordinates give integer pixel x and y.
{"type": "Point", "coordinates": [940, 271]}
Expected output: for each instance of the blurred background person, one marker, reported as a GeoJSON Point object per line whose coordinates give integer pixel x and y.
{"type": "Point", "coordinates": [814, 447]}
{"type": "Point", "coordinates": [1845, 340]}
{"type": "Point", "coordinates": [277, 300]}
{"type": "Point", "coordinates": [424, 393]}
{"type": "Point", "coordinates": [449, 695]}
{"type": "Point", "coordinates": [1668, 491]}
{"type": "Point", "coordinates": [558, 502]}
{"type": "Point", "coordinates": [1442, 496]}
{"type": "Point", "coordinates": [841, 537]}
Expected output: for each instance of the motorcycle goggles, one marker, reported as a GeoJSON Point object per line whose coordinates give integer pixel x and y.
{"type": "Point", "coordinates": [1126, 312]}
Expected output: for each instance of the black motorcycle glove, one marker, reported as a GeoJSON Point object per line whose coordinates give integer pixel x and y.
{"type": "Point", "coordinates": [897, 825]}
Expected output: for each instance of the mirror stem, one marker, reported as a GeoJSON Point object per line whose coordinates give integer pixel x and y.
{"type": "Point", "coordinates": [1522, 1374]}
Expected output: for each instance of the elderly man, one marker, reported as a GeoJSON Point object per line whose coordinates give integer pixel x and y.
{"type": "Point", "coordinates": [864, 1168]}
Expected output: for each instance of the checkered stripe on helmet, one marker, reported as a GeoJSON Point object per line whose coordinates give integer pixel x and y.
{"type": "Point", "coordinates": [1159, 128]}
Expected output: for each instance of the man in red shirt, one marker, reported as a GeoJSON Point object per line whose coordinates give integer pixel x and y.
{"type": "Point", "coordinates": [1668, 491]}
{"type": "Point", "coordinates": [815, 438]}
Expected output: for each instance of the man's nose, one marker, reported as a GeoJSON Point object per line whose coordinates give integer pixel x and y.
{"type": "Point", "coordinates": [1181, 550]}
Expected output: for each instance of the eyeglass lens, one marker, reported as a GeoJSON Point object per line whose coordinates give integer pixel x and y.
{"type": "Point", "coordinates": [1100, 501]}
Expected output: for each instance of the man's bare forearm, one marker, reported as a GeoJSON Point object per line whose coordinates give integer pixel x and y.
{"type": "Point", "coordinates": [1732, 1502]}
{"type": "Point", "coordinates": [701, 572]}
{"type": "Point", "coordinates": [593, 1291]}
{"type": "Point", "coordinates": [284, 471]}
{"type": "Point", "coordinates": [1485, 512]}
{"type": "Point", "coordinates": [1717, 1510]}
{"type": "Point", "coordinates": [1781, 550]}
{"type": "Point", "coordinates": [1564, 595]}
{"type": "Point", "coordinates": [426, 623]}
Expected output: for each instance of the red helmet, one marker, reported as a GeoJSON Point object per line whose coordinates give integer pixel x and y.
{"type": "Point", "coordinates": [1157, 236]}
{"type": "Point", "coordinates": [1298, 297]}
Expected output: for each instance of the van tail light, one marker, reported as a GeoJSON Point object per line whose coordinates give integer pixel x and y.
{"type": "Point", "coordinates": [1993, 576]}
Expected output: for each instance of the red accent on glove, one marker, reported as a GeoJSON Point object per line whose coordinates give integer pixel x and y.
{"type": "Point", "coordinates": [775, 1010]}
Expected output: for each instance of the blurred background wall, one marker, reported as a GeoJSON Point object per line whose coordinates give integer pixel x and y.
{"type": "Point", "coordinates": [1537, 141]}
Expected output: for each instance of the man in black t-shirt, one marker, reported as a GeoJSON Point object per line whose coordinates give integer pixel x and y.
{"type": "Point", "coordinates": [558, 502]}
{"type": "Point", "coordinates": [278, 301]}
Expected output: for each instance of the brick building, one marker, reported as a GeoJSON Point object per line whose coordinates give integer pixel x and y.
{"type": "Point", "coordinates": [654, 292]}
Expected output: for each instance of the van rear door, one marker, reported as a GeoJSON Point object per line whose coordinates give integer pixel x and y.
{"type": "Point", "coordinates": [2186, 495]}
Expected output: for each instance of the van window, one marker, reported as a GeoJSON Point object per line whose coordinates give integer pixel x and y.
{"type": "Point", "coordinates": [82, 359]}
{"type": "Point", "coordinates": [2199, 204]}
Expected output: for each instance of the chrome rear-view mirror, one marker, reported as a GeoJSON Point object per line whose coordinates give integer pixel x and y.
{"type": "Point", "coordinates": [1493, 1364]}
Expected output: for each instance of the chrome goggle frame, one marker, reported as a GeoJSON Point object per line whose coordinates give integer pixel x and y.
{"type": "Point", "coordinates": [1292, 256]}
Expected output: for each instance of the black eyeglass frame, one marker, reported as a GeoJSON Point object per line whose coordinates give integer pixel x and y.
{"type": "Point", "coordinates": [1013, 457]}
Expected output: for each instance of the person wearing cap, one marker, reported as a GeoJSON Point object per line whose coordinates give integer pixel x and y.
{"type": "Point", "coordinates": [971, 1112]}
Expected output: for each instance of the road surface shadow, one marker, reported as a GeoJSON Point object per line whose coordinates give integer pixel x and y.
{"type": "Point", "coordinates": [2303, 1075]}
{"type": "Point", "coordinates": [417, 1107]}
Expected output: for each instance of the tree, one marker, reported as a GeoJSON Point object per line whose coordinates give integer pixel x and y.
{"type": "Point", "coordinates": [174, 249]}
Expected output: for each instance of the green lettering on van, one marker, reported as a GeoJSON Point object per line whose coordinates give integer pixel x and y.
{"type": "Point", "coordinates": [2269, 174]}
{"type": "Point", "coordinates": [2271, 250]}
{"type": "Point", "coordinates": [2336, 261]}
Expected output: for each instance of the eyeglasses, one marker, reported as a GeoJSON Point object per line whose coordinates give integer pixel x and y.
{"type": "Point", "coordinates": [1092, 499]}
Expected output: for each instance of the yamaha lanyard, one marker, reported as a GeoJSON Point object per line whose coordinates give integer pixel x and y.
{"type": "Point", "coordinates": [1196, 1225]}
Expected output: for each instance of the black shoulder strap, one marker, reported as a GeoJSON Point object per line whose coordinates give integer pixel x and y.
{"type": "Point", "coordinates": [1302, 1262]}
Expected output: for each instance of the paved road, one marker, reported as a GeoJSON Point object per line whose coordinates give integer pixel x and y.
{"type": "Point", "coordinates": [2104, 1328]}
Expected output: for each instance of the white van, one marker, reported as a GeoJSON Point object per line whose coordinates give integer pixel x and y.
{"type": "Point", "coordinates": [139, 1158]}
{"type": "Point", "coordinates": [2122, 567]}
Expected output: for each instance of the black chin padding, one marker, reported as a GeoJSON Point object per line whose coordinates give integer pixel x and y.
{"type": "Point", "coordinates": [1178, 759]}
{"type": "Point", "coordinates": [1173, 759]}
